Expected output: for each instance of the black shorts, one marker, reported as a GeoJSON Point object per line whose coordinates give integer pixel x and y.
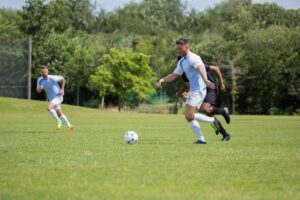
{"type": "Point", "coordinates": [211, 97]}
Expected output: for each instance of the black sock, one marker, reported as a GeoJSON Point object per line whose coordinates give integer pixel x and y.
{"type": "Point", "coordinates": [222, 130]}
{"type": "Point", "coordinates": [218, 111]}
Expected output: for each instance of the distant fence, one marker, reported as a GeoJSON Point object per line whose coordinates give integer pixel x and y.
{"type": "Point", "coordinates": [13, 69]}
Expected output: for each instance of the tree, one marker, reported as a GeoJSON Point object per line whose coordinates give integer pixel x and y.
{"type": "Point", "coordinates": [102, 81]}
{"type": "Point", "coordinates": [81, 64]}
{"type": "Point", "coordinates": [272, 68]}
{"type": "Point", "coordinates": [9, 30]}
{"type": "Point", "coordinates": [132, 80]}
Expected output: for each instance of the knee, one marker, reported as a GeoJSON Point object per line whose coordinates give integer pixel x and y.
{"type": "Point", "coordinates": [59, 114]}
{"type": "Point", "coordinates": [49, 107]}
{"type": "Point", "coordinates": [189, 117]}
{"type": "Point", "coordinates": [207, 109]}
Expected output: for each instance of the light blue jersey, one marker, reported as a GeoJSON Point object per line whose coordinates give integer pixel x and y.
{"type": "Point", "coordinates": [189, 65]}
{"type": "Point", "coordinates": [51, 86]}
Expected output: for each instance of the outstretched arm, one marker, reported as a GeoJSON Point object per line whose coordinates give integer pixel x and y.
{"type": "Point", "coordinates": [171, 77]}
{"type": "Point", "coordinates": [217, 72]}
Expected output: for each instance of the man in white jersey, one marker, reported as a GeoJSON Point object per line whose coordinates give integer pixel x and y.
{"type": "Point", "coordinates": [195, 71]}
{"type": "Point", "coordinates": [49, 83]}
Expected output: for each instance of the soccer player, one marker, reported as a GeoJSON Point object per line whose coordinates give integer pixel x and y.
{"type": "Point", "coordinates": [49, 83]}
{"type": "Point", "coordinates": [194, 68]}
{"type": "Point", "coordinates": [208, 105]}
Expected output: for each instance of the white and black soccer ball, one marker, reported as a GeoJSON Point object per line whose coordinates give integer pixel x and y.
{"type": "Point", "coordinates": [131, 137]}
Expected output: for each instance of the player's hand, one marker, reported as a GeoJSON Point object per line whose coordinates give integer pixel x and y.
{"type": "Point", "coordinates": [185, 95]}
{"type": "Point", "coordinates": [223, 88]}
{"type": "Point", "coordinates": [62, 91]}
{"type": "Point", "coordinates": [159, 83]}
{"type": "Point", "coordinates": [210, 85]}
{"type": "Point", "coordinates": [41, 87]}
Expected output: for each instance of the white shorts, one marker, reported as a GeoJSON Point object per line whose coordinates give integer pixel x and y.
{"type": "Point", "coordinates": [57, 101]}
{"type": "Point", "coordinates": [196, 98]}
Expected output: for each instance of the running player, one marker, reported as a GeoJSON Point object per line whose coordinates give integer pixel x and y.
{"type": "Point", "coordinates": [49, 83]}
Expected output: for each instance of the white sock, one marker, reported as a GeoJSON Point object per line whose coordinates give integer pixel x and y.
{"type": "Point", "coordinates": [54, 114]}
{"type": "Point", "coordinates": [202, 118]}
{"type": "Point", "coordinates": [196, 128]}
{"type": "Point", "coordinates": [65, 120]}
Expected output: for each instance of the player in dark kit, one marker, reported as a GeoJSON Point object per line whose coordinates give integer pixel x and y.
{"type": "Point", "coordinates": [208, 106]}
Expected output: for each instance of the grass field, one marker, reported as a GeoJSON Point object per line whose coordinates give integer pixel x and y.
{"type": "Point", "coordinates": [262, 161]}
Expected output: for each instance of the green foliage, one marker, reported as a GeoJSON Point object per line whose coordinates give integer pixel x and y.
{"type": "Point", "coordinates": [40, 18]}
{"type": "Point", "coordinates": [9, 30]}
{"type": "Point", "coordinates": [270, 63]}
{"type": "Point", "coordinates": [81, 62]}
{"type": "Point", "coordinates": [240, 36]}
{"type": "Point", "coordinates": [271, 14]}
{"type": "Point", "coordinates": [53, 51]}
{"type": "Point", "coordinates": [102, 81]}
{"type": "Point", "coordinates": [148, 17]}
{"type": "Point", "coordinates": [124, 74]}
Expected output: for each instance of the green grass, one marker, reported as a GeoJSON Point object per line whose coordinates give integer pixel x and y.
{"type": "Point", "coordinates": [262, 161]}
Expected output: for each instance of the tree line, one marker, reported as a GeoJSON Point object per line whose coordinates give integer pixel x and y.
{"type": "Point", "coordinates": [114, 58]}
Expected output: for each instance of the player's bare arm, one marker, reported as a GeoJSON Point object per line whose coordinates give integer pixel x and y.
{"type": "Point", "coordinates": [62, 90]}
{"type": "Point", "coordinates": [171, 77]}
{"type": "Point", "coordinates": [39, 89]}
{"type": "Point", "coordinates": [185, 94]}
{"type": "Point", "coordinates": [217, 72]}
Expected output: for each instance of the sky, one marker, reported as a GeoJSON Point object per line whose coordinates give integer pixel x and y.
{"type": "Point", "coordinates": [200, 5]}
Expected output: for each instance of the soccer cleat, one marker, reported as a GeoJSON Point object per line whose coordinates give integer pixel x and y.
{"type": "Point", "coordinates": [216, 125]}
{"type": "Point", "coordinates": [70, 128]}
{"type": "Point", "coordinates": [58, 124]}
{"type": "Point", "coordinates": [200, 142]}
{"type": "Point", "coordinates": [226, 137]}
{"type": "Point", "coordinates": [226, 115]}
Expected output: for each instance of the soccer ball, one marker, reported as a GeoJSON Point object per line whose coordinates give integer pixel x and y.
{"type": "Point", "coordinates": [131, 137]}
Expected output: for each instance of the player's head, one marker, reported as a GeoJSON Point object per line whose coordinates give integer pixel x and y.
{"type": "Point", "coordinates": [182, 45]}
{"type": "Point", "coordinates": [44, 71]}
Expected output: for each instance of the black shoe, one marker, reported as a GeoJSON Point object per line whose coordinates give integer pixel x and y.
{"type": "Point", "coordinates": [226, 137]}
{"type": "Point", "coordinates": [216, 125]}
{"type": "Point", "coordinates": [200, 142]}
{"type": "Point", "coordinates": [226, 115]}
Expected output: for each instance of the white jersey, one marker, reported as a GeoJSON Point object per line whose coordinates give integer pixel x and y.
{"type": "Point", "coordinates": [50, 85]}
{"type": "Point", "coordinates": [189, 65]}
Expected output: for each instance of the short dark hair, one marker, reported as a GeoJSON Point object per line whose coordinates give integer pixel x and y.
{"type": "Point", "coordinates": [182, 41]}
{"type": "Point", "coordinates": [43, 67]}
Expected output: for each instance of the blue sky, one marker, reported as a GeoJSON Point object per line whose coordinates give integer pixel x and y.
{"type": "Point", "coordinates": [198, 4]}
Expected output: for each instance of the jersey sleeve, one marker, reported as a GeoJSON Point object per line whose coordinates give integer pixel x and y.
{"type": "Point", "coordinates": [56, 78]}
{"type": "Point", "coordinates": [196, 61]}
{"type": "Point", "coordinates": [178, 69]}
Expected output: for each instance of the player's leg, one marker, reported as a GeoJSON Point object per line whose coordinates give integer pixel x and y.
{"type": "Point", "coordinates": [195, 99]}
{"type": "Point", "coordinates": [210, 109]}
{"type": "Point", "coordinates": [194, 102]}
{"type": "Point", "coordinates": [53, 113]}
{"type": "Point", "coordinates": [189, 115]}
{"type": "Point", "coordinates": [223, 111]}
{"type": "Point", "coordinates": [207, 108]}
{"type": "Point", "coordinates": [63, 118]}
